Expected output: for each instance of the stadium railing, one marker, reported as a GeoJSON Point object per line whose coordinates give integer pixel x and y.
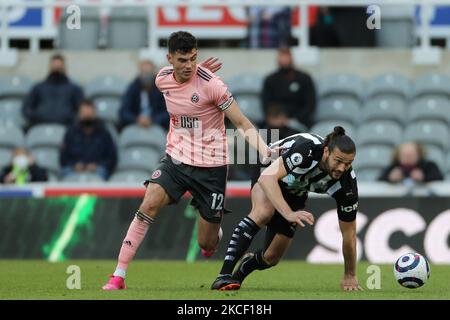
{"type": "Point", "coordinates": [422, 54]}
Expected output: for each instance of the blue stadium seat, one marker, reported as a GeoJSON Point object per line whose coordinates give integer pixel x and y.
{"type": "Point", "coordinates": [135, 136]}
{"type": "Point", "coordinates": [48, 158]}
{"type": "Point", "coordinates": [45, 135]}
{"type": "Point", "coordinates": [378, 132]}
{"type": "Point", "coordinates": [125, 21]}
{"type": "Point", "coordinates": [428, 132]}
{"type": "Point", "coordinates": [105, 86]}
{"type": "Point", "coordinates": [372, 157]}
{"type": "Point", "coordinates": [341, 85]}
{"type": "Point", "coordinates": [389, 85]}
{"type": "Point", "coordinates": [250, 105]}
{"type": "Point", "coordinates": [138, 158]}
{"type": "Point", "coordinates": [16, 86]}
{"type": "Point", "coordinates": [246, 83]}
{"type": "Point", "coordinates": [384, 108]}
{"type": "Point", "coordinates": [342, 109]}
{"type": "Point", "coordinates": [11, 112]}
{"type": "Point", "coordinates": [11, 137]}
{"type": "Point", "coordinates": [325, 127]}
{"type": "Point", "coordinates": [433, 84]}
{"type": "Point", "coordinates": [437, 155]}
{"type": "Point", "coordinates": [85, 38]}
{"type": "Point", "coordinates": [426, 108]}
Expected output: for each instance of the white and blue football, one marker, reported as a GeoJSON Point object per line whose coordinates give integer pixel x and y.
{"type": "Point", "coordinates": [412, 270]}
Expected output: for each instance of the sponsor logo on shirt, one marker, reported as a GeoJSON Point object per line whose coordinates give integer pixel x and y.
{"type": "Point", "coordinates": [189, 122]}
{"type": "Point", "coordinates": [156, 174]}
{"type": "Point", "coordinates": [349, 209]}
{"type": "Point", "coordinates": [296, 159]}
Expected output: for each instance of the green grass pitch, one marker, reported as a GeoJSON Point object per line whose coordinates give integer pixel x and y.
{"type": "Point", "coordinates": [29, 279]}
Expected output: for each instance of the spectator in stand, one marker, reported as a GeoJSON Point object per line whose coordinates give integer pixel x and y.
{"type": "Point", "coordinates": [55, 99]}
{"type": "Point", "coordinates": [269, 27]}
{"type": "Point", "coordinates": [410, 167]}
{"type": "Point", "coordinates": [22, 169]}
{"type": "Point", "coordinates": [292, 88]}
{"type": "Point", "coordinates": [88, 145]}
{"type": "Point", "coordinates": [143, 104]}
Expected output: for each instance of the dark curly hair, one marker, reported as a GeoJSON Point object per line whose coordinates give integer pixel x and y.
{"type": "Point", "coordinates": [339, 139]}
{"type": "Point", "coordinates": [182, 41]}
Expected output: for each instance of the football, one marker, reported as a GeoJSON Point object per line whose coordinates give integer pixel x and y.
{"type": "Point", "coordinates": [412, 270]}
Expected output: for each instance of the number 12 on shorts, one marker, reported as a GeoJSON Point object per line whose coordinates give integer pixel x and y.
{"type": "Point", "coordinates": [217, 201]}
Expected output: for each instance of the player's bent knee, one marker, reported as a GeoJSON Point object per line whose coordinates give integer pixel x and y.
{"type": "Point", "coordinates": [261, 216]}
{"type": "Point", "coordinates": [271, 258]}
{"type": "Point", "coordinates": [149, 207]}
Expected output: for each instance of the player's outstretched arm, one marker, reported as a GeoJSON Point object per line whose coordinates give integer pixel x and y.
{"type": "Point", "coordinates": [269, 183]}
{"type": "Point", "coordinates": [349, 281]}
{"type": "Point", "coordinates": [246, 129]}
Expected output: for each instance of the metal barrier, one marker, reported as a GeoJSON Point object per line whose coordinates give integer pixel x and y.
{"type": "Point", "coordinates": [423, 54]}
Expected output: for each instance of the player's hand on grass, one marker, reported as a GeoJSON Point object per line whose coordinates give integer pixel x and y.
{"type": "Point", "coordinates": [212, 64]}
{"type": "Point", "coordinates": [301, 216]}
{"type": "Point", "coordinates": [350, 283]}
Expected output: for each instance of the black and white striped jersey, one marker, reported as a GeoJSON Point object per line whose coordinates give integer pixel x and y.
{"type": "Point", "coordinates": [301, 156]}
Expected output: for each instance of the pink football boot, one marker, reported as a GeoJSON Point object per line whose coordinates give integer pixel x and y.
{"type": "Point", "coordinates": [209, 253]}
{"type": "Point", "coordinates": [115, 283]}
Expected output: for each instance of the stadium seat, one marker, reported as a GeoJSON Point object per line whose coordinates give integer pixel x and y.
{"type": "Point", "coordinates": [433, 84]}
{"type": "Point", "coordinates": [383, 108]}
{"type": "Point", "coordinates": [135, 136]}
{"type": "Point", "coordinates": [250, 105]}
{"type": "Point", "coordinates": [430, 109]}
{"type": "Point", "coordinates": [14, 86]}
{"type": "Point", "coordinates": [125, 21]}
{"type": "Point", "coordinates": [447, 163]}
{"type": "Point", "coordinates": [85, 38]}
{"type": "Point", "coordinates": [108, 109]}
{"type": "Point", "coordinates": [11, 137]}
{"type": "Point", "coordinates": [138, 176]}
{"type": "Point", "coordinates": [325, 127]}
{"type": "Point", "coordinates": [113, 131]}
{"type": "Point", "coordinates": [297, 125]}
{"type": "Point", "coordinates": [436, 155]}
{"type": "Point", "coordinates": [11, 112]}
{"type": "Point", "coordinates": [369, 174]}
{"type": "Point", "coordinates": [246, 83]}
{"type": "Point", "coordinates": [341, 85]}
{"type": "Point", "coordinates": [373, 157]}
{"type": "Point", "coordinates": [105, 86]}
{"type": "Point", "coordinates": [383, 132]}
{"type": "Point", "coordinates": [428, 132]}
{"type": "Point", "coordinates": [5, 157]}
{"type": "Point", "coordinates": [47, 157]}
{"type": "Point", "coordinates": [345, 109]}
{"type": "Point", "coordinates": [45, 135]}
{"type": "Point", "coordinates": [138, 158]}
{"type": "Point", "coordinates": [83, 177]}
{"type": "Point", "coordinates": [389, 84]}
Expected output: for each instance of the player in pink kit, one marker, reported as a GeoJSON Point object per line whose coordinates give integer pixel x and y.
{"type": "Point", "coordinates": [196, 151]}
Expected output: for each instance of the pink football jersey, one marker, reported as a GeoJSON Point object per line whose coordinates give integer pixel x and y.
{"type": "Point", "coordinates": [197, 134]}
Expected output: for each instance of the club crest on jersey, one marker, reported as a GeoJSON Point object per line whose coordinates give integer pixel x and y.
{"type": "Point", "coordinates": [296, 159]}
{"type": "Point", "coordinates": [195, 98]}
{"type": "Point", "coordinates": [156, 174]}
